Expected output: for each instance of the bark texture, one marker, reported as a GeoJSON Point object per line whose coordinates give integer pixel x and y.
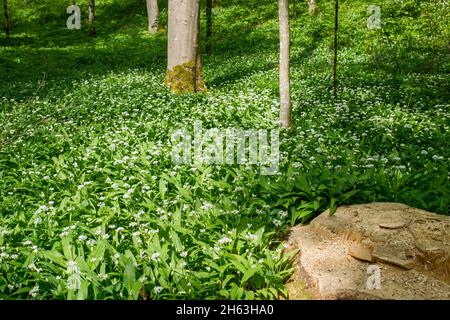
{"type": "Point", "coordinates": [335, 58]}
{"type": "Point", "coordinates": [6, 15]}
{"type": "Point", "coordinates": [312, 6]}
{"type": "Point", "coordinates": [184, 70]}
{"type": "Point", "coordinates": [285, 94]}
{"type": "Point", "coordinates": [92, 31]}
{"type": "Point", "coordinates": [154, 24]}
{"type": "Point", "coordinates": [209, 6]}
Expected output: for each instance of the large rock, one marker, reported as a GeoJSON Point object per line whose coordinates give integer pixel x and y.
{"type": "Point", "coordinates": [340, 255]}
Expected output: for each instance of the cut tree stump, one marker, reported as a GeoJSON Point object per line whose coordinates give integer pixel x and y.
{"type": "Point", "coordinates": [409, 247]}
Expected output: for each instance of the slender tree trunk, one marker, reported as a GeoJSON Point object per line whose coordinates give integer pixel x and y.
{"type": "Point", "coordinates": [296, 10]}
{"type": "Point", "coordinates": [153, 16]}
{"type": "Point", "coordinates": [199, 85]}
{"type": "Point", "coordinates": [92, 31]}
{"type": "Point", "coordinates": [7, 22]}
{"type": "Point", "coordinates": [209, 6]}
{"type": "Point", "coordinates": [312, 6]}
{"type": "Point", "coordinates": [184, 70]}
{"type": "Point", "coordinates": [336, 27]}
{"type": "Point", "coordinates": [285, 94]}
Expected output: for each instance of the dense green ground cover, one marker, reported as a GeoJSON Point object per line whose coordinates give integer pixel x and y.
{"type": "Point", "coordinates": [89, 194]}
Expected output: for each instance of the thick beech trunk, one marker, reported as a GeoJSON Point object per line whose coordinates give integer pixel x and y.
{"type": "Point", "coordinates": [184, 70]}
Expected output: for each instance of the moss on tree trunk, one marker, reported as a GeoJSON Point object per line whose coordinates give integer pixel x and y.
{"type": "Point", "coordinates": [185, 78]}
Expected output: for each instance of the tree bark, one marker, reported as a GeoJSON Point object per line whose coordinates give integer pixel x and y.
{"type": "Point", "coordinates": [184, 70]}
{"type": "Point", "coordinates": [92, 31]}
{"type": "Point", "coordinates": [153, 16]}
{"type": "Point", "coordinates": [336, 27]}
{"type": "Point", "coordinates": [209, 6]}
{"type": "Point", "coordinates": [312, 6]}
{"type": "Point", "coordinates": [6, 15]}
{"type": "Point", "coordinates": [285, 94]}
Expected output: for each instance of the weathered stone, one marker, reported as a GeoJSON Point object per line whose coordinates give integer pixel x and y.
{"type": "Point", "coordinates": [394, 224]}
{"type": "Point", "coordinates": [359, 251]}
{"type": "Point", "coordinates": [403, 263]}
{"type": "Point", "coordinates": [411, 248]}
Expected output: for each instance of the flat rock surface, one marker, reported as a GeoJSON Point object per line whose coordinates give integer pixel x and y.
{"type": "Point", "coordinates": [341, 256]}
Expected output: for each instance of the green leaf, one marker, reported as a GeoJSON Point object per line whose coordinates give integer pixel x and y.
{"type": "Point", "coordinates": [176, 241]}
{"type": "Point", "coordinates": [96, 255]}
{"type": "Point", "coordinates": [333, 206]}
{"type": "Point", "coordinates": [67, 249]}
{"type": "Point", "coordinates": [162, 188]}
{"type": "Point", "coordinates": [249, 273]}
{"type": "Point", "coordinates": [129, 277]}
{"type": "Point", "coordinates": [55, 256]}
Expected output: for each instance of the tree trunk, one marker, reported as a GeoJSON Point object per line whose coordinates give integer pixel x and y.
{"type": "Point", "coordinates": [184, 70]}
{"type": "Point", "coordinates": [7, 22]}
{"type": "Point", "coordinates": [209, 6]}
{"type": "Point", "coordinates": [153, 16]}
{"type": "Point", "coordinates": [312, 6]}
{"type": "Point", "coordinates": [92, 31]}
{"type": "Point", "coordinates": [336, 27]}
{"type": "Point", "coordinates": [285, 94]}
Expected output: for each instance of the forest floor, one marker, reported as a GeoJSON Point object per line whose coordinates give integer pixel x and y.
{"type": "Point", "coordinates": [91, 203]}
